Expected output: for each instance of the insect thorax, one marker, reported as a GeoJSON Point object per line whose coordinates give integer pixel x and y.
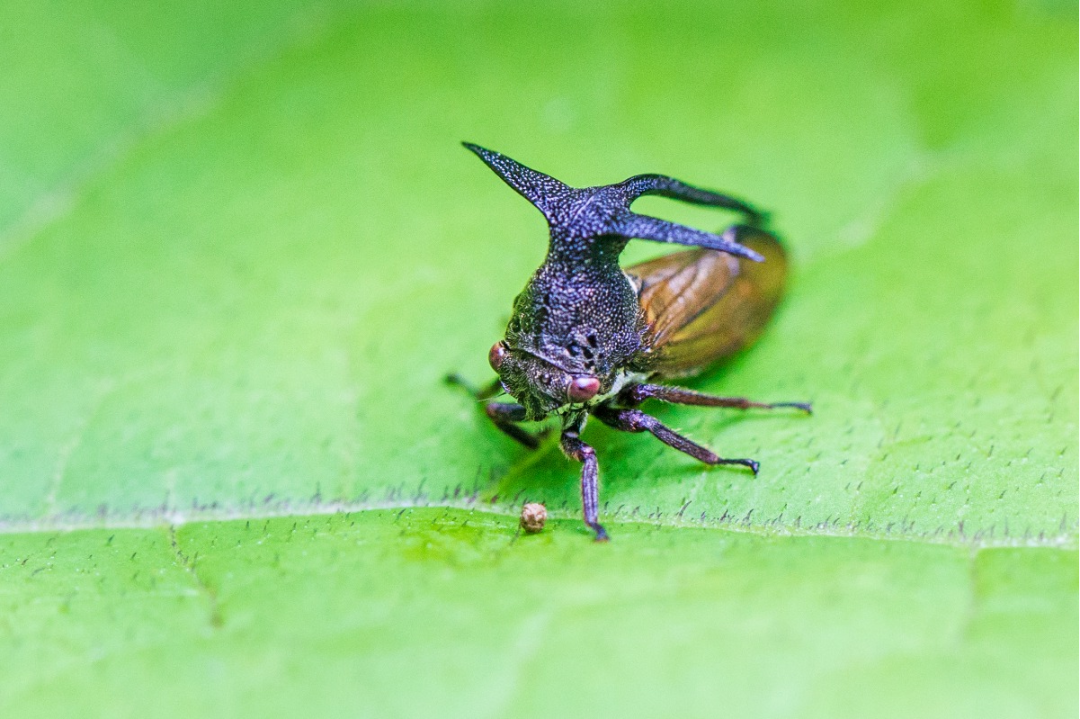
{"type": "Point", "coordinates": [583, 317]}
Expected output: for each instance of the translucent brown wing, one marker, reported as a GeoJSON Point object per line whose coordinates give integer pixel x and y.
{"type": "Point", "coordinates": [703, 305]}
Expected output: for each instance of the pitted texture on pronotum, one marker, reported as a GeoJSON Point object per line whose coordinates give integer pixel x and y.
{"type": "Point", "coordinates": [583, 335]}
{"type": "Point", "coordinates": [588, 212]}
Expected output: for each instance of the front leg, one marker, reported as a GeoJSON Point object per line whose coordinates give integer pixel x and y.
{"type": "Point", "coordinates": [486, 392]}
{"type": "Point", "coordinates": [637, 394]}
{"type": "Point", "coordinates": [576, 449]}
{"type": "Point", "coordinates": [501, 415]}
{"type": "Point", "coordinates": [633, 420]}
{"type": "Point", "coordinates": [504, 416]}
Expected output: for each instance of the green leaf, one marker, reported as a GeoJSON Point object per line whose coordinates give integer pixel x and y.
{"type": "Point", "coordinates": [444, 612]}
{"type": "Point", "coordinates": [240, 247]}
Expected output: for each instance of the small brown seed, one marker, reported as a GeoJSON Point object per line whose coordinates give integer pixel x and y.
{"type": "Point", "coordinates": [533, 516]}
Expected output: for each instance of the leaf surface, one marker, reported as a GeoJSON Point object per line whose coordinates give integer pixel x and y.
{"type": "Point", "coordinates": [239, 249]}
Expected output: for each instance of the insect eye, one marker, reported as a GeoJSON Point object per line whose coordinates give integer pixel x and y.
{"type": "Point", "coordinates": [497, 354]}
{"type": "Point", "coordinates": [583, 389]}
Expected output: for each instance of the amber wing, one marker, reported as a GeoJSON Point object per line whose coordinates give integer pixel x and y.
{"type": "Point", "coordinates": [702, 305]}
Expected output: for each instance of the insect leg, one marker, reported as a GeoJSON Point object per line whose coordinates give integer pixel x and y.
{"type": "Point", "coordinates": [633, 420]}
{"type": "Point", "coordinates": [486, 392]}
{"type": "Point", "coordinates": [576, 449]}
{"type": "Point", "coordinates": [677, 395]}
{"type": "Point", "coordinates": [504, 416]}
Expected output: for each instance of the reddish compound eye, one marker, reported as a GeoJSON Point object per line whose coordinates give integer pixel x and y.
{"type": "Point", "coordinates": [583, 389]}
{"type": "Point", "coordinates": [497, 354]}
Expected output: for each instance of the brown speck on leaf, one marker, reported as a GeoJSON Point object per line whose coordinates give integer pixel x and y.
{"type": "Point", "coordinates": [533, 516]}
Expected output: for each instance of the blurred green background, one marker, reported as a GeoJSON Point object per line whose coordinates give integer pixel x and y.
{"type": "Point", "coordinates": [240, 246]}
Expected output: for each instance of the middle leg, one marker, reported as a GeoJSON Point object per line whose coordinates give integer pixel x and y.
{"type": "Point", "coordinates": [633, 420]}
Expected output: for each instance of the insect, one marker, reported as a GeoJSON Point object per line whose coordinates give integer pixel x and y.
{"type": "Point", "coordinates": [590, 338]}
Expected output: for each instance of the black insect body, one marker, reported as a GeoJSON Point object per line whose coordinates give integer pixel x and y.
{"type": "Point", "coordinates": [586, 335]}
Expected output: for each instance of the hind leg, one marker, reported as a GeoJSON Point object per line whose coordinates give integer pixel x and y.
{"type": "Point", "coordinates": [678, 395]}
